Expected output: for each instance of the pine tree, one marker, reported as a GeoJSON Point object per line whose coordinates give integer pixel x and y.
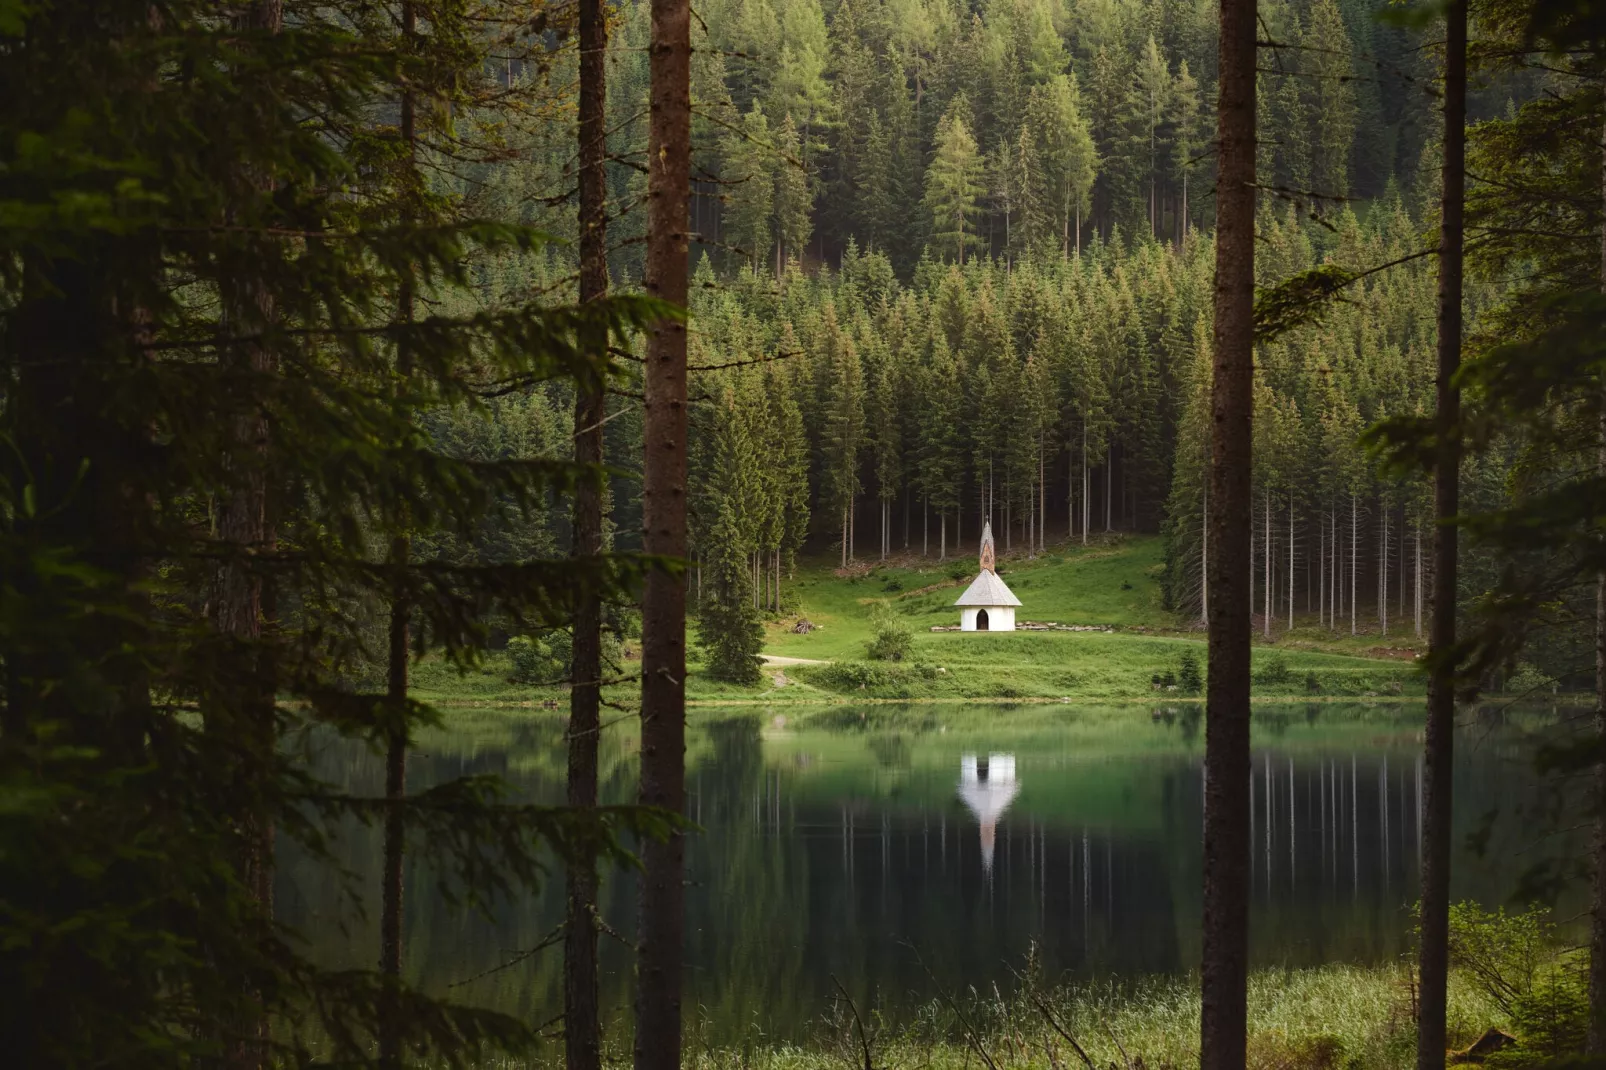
{"type": "Point", "coordinates": [750, 168]}
{"type": "Point", "coordinates": [953, 183]}
{"type": "Point", "coordinates": [843, 429]}
{"type": "Point", "coordinates": [794, 199]}
{"type": "Point", "coordinates": [1330, 101]}
{"type": "Point", "coordinates": [1070, 160]}
{"type": "Point", "coordinates": [1191, 136]}
{"type": "Point", "coordinates": [1151, 93]}
{"type": "Point", "coordinates": [728, 626]}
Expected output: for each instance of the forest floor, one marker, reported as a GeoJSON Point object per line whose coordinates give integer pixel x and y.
{"type": "Point", "coordinates": [1131, 648]}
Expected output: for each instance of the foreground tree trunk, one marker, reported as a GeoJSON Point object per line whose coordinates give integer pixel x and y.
{"type": "Point", "coordinates": [582, 1022]}
{"type": "Point", "coordinates": [1439, 738]}
{"type": "Point", "coordinates": [1596, 1040]}
{"type": "Point", "coordinates": [242, 602]}
{"type": "Point", "coordinates": [1224, 969]}
{"type": "Point", "coordinates": [663, 651]}
{"type": "Point", "coordinates": [395, 832]}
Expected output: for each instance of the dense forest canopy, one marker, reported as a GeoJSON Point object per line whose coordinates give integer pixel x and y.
{"type": "Point", "coordinates": [954, 263]}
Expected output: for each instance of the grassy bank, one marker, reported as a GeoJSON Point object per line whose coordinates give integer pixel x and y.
{"type": "Point", "coordinates": [1136, 653]}
{"type": "Point", "coordinates": [1315, 1019]}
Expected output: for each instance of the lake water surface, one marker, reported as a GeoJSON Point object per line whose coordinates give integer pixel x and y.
{"type": "Point", "coordinates": [872, 845]}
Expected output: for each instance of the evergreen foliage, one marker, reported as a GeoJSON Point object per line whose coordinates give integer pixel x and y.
{"type": "Point", "coordinates": [728, 626]}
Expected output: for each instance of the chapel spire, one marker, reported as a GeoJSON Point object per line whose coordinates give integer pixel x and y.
{"type": "Point", "coordinates": [988, 564]}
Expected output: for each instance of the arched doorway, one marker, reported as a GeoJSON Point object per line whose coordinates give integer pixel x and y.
{"type": "Point", "coordinates": [981, 620]}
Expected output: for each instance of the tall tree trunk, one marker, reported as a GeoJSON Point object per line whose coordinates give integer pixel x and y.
{"type": "Point", "coordinates": [1383, 574]}
{"type": "Point", "coordinates": [1417, 540]}
{"type": "Point", "coordinates": [1224, 967]}
{"type": "Point", "coordinates": [242, 599]}
{"type": "Point", "coordinates": [1354, 561]}
{"type": "Point", "coordinates": [1266, 622]}
{"type": "Point", "coordinates": [1321, 570]}
{"type": "Point", "coordinates": [395, 832]}
{"type": "Point", "coordinates": [390, 911]}
{"type": "Point", "coordinates": [1087, 486]}
{"type": "Point", "coordinates": [1438, 747]}
{"type": "Point", "coordinates": [582, 1019]}
{"type": "Point", "coordinates": [663, 651]}
{"type": "Point", "coordinates": [1204, 560]}
{"type": "Point", "coordinates": [1042, 495]}
{"type": "Point", "coordinates": [1596, 1040]}
{"type": "Point", "coordinates": [1291, 567]}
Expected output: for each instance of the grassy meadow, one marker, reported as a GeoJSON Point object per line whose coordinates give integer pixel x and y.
{"type": "Point", "coordinates": [1112, 585]}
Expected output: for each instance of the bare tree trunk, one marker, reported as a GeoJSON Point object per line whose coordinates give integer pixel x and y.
{"type": "Point", "coordinates": [1596, 1040]}
{"type": "Point", "coordinates": [1042, 496]}
{"type": "Point", "coordinates": [663, 650]}
{"type": "Point", "coordinates": [1383, 574]}
{"type": "Point", "coordinates": [1291, 567]}
{"type": "Point", "coordinates": [1266, 622]}
{"type": "Point", "coordinates": [394, 842]}
{"type": "Point", "coordinates": [1070, 493]}
{"type": "Point", "coordinates": [1354, 561]}
{"type": "Point", "coordinates": [582, 1018]}
{"type": "Point", "coordinates": [390, 910]}
{"type": "Point", "coordinates": [1438, 747]}
{"type": "Point", "coordinates": [1224, 968]}
{"type": "Point", "coordinates": [1109, 487]}
{"type": "Point", "coordinates": [1204, 560]}
{"type": "Point", "coordinates": [1417, 538]}
{"type": "Point", "coordinates": [242, 602]}
{"type": "Point", "coordinates": [1087, 484]}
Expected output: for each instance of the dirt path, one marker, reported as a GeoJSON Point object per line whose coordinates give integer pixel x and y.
{"type": "Point", "coordinates": [780, 662]}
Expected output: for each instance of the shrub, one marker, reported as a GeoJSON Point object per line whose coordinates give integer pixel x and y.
{"type": "Point", "coordinates": [1502, 953]}
{"type": "Point", "coordinates": [892, 638]}
{"type": "Point", "coordinates": [1312, 685]}
{"type": "Point", "coordinates": [1189, 676]}
{"type": "Point", "coordinates": [539, 660]}
{"type": "Point", "coordinates": [1528, 680]}
{"type": "Point", "coordinates": [958, 571]}
{"type": "Point", "coordinates": [1274, 671]}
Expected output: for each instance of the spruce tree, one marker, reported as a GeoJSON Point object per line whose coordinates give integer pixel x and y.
{"type": "Point", "coordinates": [728, 627]}
{"type": "Point", "coordinates": [954, 183]}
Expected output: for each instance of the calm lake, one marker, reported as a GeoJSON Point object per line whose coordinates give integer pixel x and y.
{"type": "Point", "coordinates": [872, 845]}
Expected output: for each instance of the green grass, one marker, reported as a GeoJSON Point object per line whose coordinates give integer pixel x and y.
{"type": "Point", "coordinates": [1311, 1019]}
{"type": "Point", "coordinates": [1112, 584]}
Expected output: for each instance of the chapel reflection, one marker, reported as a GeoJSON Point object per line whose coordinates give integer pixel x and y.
{"type": "Point", "coordinates": [987, 786]}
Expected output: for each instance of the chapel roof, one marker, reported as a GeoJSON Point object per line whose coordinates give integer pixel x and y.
{"type": "Point", "coordinates": [988, 590]}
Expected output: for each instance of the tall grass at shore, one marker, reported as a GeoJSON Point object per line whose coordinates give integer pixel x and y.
{"type": "Point", "coordinates": [1322, 1018]}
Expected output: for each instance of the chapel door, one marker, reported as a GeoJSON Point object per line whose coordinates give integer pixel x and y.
{"type": "Point", "coordinates": [981, 620]}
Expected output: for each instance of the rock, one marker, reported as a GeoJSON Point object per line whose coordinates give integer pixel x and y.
{"type": "Point", "coordinates": [803, 626]}
{"type": "Point", "coordinates": [1493, 1040]}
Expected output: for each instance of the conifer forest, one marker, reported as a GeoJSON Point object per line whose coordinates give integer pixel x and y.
{"type": "Point", "coordinates": [506, 467]}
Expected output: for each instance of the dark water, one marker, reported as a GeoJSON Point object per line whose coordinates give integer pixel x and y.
{"type": "Point", "coordinates": [874, 845]}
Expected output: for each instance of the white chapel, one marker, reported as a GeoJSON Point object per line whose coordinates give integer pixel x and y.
{"type": "Point", "coordinates": [988, 605]}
